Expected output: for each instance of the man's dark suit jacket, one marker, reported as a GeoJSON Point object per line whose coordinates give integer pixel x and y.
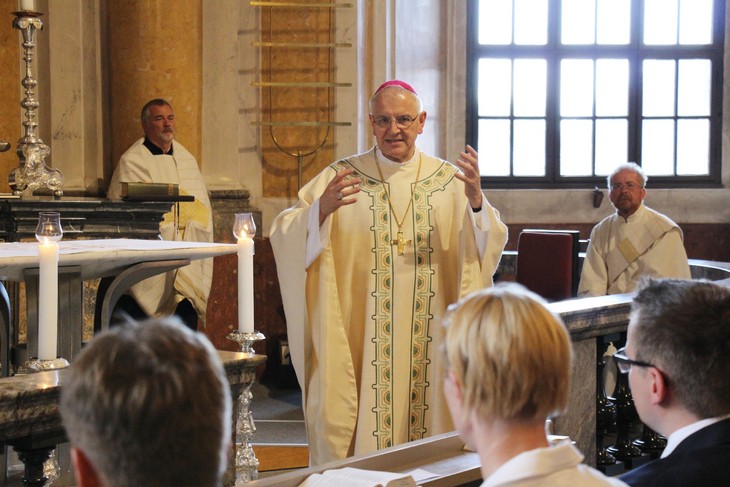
{"type": "Point", "coordinates": [702, 459]}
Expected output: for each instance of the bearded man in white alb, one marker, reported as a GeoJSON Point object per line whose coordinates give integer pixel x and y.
{"type": "Point", "coordinates": [155, 158]}
{"type": "Point", "coordinates": [636, 241]}
{"type": "Point", "coordinates": [377, 247]}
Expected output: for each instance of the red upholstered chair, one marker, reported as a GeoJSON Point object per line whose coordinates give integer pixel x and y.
{"type": "Point", "coordinates": [547, 262]}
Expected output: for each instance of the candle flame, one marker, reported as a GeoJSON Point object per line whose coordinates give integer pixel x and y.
{"type": "Point", "coordinates": [244, 226]}
{"type": "Point", "coordinates": [246, 232]}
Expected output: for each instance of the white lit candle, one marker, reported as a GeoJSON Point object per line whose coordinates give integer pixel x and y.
{"type": "Point", "coordinates": [245, 284]}
{"type": "Point", "coordinates": [48, 300]}
{"type": "Point", "coordinates": [26, 6]}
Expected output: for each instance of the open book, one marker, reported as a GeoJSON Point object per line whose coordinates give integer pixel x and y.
{"type": "Point", "coordinates": [355, 477]}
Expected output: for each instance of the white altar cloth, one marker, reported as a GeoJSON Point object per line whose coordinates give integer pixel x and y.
{"type": "Point", "coordinates": [104, 257]}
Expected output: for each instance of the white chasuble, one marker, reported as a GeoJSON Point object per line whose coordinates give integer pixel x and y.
{"type": "Point", "coordinates": [621, 251]}
{"type": "Point", "coordinates": [363, 321]}
{"type": "Point", "coordinates": [160, 294]}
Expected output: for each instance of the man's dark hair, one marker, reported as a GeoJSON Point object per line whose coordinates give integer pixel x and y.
{"type": "Point", "coordinates": [683, 328]}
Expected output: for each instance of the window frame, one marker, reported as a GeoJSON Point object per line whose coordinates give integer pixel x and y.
{"type": "Point", "coordinates": [635, 52]}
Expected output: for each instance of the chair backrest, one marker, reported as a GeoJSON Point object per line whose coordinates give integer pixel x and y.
{"type": "Point", "coordinates": [547, 262]}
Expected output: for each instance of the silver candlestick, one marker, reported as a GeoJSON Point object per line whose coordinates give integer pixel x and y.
{"type": "Point", "coordinates": [246, 462]}
{"type": "Point", "coordinates": [32, 172]}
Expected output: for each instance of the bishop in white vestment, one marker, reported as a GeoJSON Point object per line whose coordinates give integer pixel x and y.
{"type": "Point", "coordinates": [365, 284]}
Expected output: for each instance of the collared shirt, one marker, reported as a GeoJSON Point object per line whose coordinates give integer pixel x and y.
{"type": "Point", "coordinates": [682, 433]}
{"type": "Point", "coordinates": [558, 465]}
{"type": "Point", "coordinates": [156, 151]}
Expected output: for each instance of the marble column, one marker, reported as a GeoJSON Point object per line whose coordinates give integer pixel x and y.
{"type": "Point", "coordinates": [155, 51]}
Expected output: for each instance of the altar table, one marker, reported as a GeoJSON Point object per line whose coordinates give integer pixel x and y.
{"type": "Point", "coordinates": [128, 261]}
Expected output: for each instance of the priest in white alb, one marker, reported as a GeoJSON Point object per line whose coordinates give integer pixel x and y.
{"type": "Point", "coordinates": [635, 241]}
{"type": "Point", "coordinates": [156, 158]}
{"type": "Point", "coordinates": [377, 247]}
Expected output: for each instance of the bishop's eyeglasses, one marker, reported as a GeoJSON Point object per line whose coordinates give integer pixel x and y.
{"type": "Point", "coordinates": [624, 363]}
{"type": "Point", "coordinates": [401, 121]}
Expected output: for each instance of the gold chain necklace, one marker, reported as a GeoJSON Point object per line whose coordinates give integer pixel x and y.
{"type": "Point", "coordinates": [400, 240]}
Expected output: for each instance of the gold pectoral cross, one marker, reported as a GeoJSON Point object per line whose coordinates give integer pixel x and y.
{"type": "Point", "coordinates": [401, 242]}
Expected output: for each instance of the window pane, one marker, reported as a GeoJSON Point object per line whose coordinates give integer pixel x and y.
{"type": "Point", "coordinates": [612, 142]}
{"type": "Point", "coordinates": [578, 22]}
{"type": "Point", "coordinates": [576, 88]}
{"type": "Point", "coordinates": [694, 88]}
{"type": "Point", "coordinates": [658, 90]}
{"type": "Point", "coordinates": [657, 147]}
{"type": "Point", "coordinates": [693, 147]}
{"type": "Point", "coordinates": [614, 22]}
{"type": "Point", "coordinates": [495, 22]}
{"type": "Point", "coordinates": [612, 87]}
{"type": "Point", "coordinates": [494, 150]}
{"type": "Point", "coordinates": [494, 87]}
{"type": "Point", "coordinates": [531, 22]}
{"type": "Point", "coordinates": [529, 148]}
{"type": "Point", "coordinates": [695, 22]}
{"type": "Point", "coordinates": [576, 147]}
{"type": "Point", "coordinates": [530, 87]}
{"type": "Point", "coordinates": [660, 22]}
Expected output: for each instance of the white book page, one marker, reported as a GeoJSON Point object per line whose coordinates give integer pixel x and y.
{"type": "Point", "coordinates": [355, 477]}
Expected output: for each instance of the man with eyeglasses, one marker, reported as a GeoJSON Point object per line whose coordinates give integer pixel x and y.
{"type": "Point", "coordinates": [677, 356]}
{"type": "Point", "coordinates": [635, 241]}
{"type": "Point", "coordinates": [379, 244]}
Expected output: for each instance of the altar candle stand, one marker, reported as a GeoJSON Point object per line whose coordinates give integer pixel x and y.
{"type": "Point", "coordinates": [41, 466]}
{"type": "Point", "coordinates": [244, 229]}
{"type": "Point", "coordinates": [48, 233]}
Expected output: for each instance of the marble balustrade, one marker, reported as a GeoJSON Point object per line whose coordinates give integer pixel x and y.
{"type": "Point", "coordinates": [590, 321]}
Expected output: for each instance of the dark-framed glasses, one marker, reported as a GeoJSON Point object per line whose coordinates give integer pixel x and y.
{"type": "Point", "coordinates": [401, 121]}
{"type": "Point", "coordinates": [624, 363]}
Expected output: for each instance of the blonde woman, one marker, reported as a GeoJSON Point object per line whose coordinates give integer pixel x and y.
{"type": "Point", "coordinates": [508, 361]}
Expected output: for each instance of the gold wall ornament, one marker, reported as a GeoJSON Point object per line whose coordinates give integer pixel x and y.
{"type": "Point", "coordinates": [296, 77]}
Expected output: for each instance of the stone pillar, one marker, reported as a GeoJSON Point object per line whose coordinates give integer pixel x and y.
{"type": "Point", "coordinates": [75, 103]}
{"type": "Point", "coordinates": [155, 51]}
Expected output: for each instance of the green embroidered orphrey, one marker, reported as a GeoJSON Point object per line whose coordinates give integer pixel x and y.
{"type": "Point", "coordinates": [420, 314]}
